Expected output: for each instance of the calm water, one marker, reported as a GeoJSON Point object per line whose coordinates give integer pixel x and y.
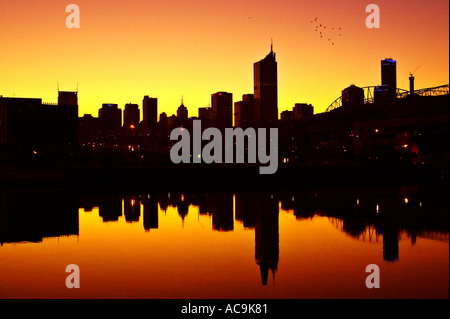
{"type": "Point", "coordinates": [299, 244]}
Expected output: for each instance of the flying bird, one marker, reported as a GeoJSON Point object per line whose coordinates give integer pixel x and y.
{"type": "Point", "coordinates": [330, 33]}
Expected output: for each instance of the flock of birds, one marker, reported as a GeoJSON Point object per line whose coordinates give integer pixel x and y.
{"type": "Point", "coordinates": [330, 33]}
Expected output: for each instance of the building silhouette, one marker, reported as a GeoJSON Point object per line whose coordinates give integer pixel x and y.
{"type": "Point", "coordinates": [266, 90]}
{"type": "Point", "coordinates": [131, 115]}
{"type": "Point", "coordinates": [221, 113]}
{"type": "Point", "coordinates": [182, 112]}
{"type": "Point", "coordinates": [150, 119]}
{"type": "Point", "coordinates": [244, 112]}
{"type": "Point", "coordinates": [36, 131]}
{"type": "Point", "coordinates": [387, 91]}
{"type": "Point", "coordinates": [88, 129]}
{"type": "Point", "coordinates": [110, 117]}
{"type": "Point", "coordinates": [352, 96]}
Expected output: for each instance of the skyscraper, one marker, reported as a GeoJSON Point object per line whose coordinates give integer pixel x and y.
{"type": "Point", "coordinates": [389, 76]}
{"type": "Point", "coordinates": [222, 110]}
{"type": "Point", "coordinates": [149, 116]}
{"type": "Point", "coordinates": [110, 117]}
{"type": "Point", "coordinates": [244, 112]}
{"type": "Point", "coordinates": [182, 111]}
{"type": "Point", "coordinates": [131, 115]}
{"type": "Point", "coordinates": [266, 90]}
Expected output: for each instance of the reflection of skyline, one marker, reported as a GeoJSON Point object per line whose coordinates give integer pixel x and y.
{"type": "Point", "coordinates": [357, 212]}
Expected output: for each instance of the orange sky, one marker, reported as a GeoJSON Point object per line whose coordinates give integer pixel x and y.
{"type": "Point", "coordinates": [169, 48]}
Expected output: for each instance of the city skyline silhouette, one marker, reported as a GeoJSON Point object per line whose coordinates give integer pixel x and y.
{"type": "Point", "coordinates": [224, 149]}
{"type": "Point", "coordinates": [202, 51]}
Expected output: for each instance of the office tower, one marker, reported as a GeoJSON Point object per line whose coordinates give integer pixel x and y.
{"type": "Point", "coordinates": [29, 126]}
{"type": "Point", "coordinates": [131, 115]}
{"type": "Point", "coordinates": [204, 113]}
{"type": "Point", "coordinates": [182, 112]}
{"type": "Point", "coordinates": [265, 90]}
{"type": "Point", "coordinates": [110, 117]}
{"type": "Point", "coordinates": [149, 116]}
{"type": "Point", "coordinates": [222, 110]}
{"type": "Point", "coordinates": [389, 75]}
{"type": "Point", "coordinates": [88, 129]}
{"type": "Point", "coordinates": [387, 91]}
{"type": "Point", "coordinates": [244, 112]}
{"type": "Point", "coordinates": [67, 98]}
{"type": "Point", "coordinates": [66, 119]}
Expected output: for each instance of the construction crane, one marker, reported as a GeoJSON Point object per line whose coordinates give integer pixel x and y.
{"type": "Point", "coordinates": [412, 73]}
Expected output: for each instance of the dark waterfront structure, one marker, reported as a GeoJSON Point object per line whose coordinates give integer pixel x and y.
{"type": "Point", "coordinates": [266, 90]}
{"type": "Point", "coordinates": [377, 124]}
{"type": "Point", "coordinates": [32, 130]}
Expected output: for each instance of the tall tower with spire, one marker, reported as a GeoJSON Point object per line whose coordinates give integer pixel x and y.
{"type": "Point", "coordinates": [266, 90]}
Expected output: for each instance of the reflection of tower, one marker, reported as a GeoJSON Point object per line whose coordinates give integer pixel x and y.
{"type": "Point", "coordinates": [182, 206]}
{"type": "Point", "coordinates": [266, 236]}
{"type": "Point", "coordinates": [132, 209]}
{"type": "Point", "coordinates": [390, 244]}
{"type": "Point", "coordinates": [222, 211]}
{"type": "Point", "coordinates": [110, 208]}
{"type": "Point", "coordinates": [245, 208]}
{"type": "Point", "coordinates": [150, 212]}
{"type": "Point", "coordinates": [265, 90]}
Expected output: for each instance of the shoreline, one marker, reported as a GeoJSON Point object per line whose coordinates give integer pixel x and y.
{"type": "Point", "coordinates": [205, 177]}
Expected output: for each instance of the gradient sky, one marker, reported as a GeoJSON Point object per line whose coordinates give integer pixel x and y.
{"type": "Point", "coordinates": [192, 48]}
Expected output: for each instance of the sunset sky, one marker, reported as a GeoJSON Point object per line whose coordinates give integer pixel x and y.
{"type": "Point", "coordinates": [124, 50]}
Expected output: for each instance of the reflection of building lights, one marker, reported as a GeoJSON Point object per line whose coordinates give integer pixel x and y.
{"type": "Point", "coordinates": [182, 197]}
{"type": "Point", "coordinates": [378, 208]}
{"type": "Point", "coordinates": [133, 202]}
{"type": "Point", "coordinates": [132, 126]}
